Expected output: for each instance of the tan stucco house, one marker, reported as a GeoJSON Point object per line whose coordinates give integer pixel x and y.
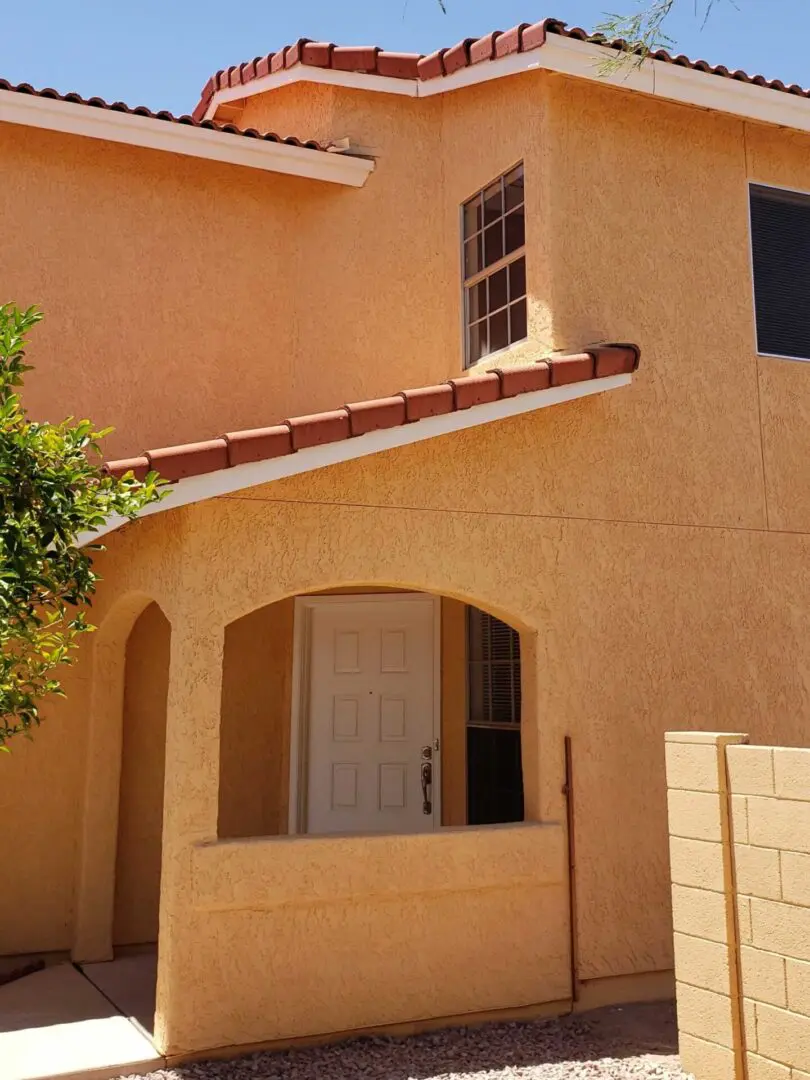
{"type": "Point", "coordinates": [370, 733]}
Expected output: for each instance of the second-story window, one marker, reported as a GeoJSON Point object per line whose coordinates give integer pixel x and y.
{"type": "Point", "coordinates": [494, 239]}
{"type": "Point", "coordinates": [780, 247]}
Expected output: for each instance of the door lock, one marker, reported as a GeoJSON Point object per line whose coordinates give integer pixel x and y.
{"type": "Point", "coordinates": [427, 782]}
{"type": "Point", "coordinates": [426, 778]}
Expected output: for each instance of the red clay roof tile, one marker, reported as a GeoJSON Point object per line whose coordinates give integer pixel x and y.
{"type": "Point", "coordinates": [193, 459]}
{"type": "Point", "coordinates": [258, 444]}
{"type": "Point", "coordinates": [361, 417]}
{"type": "Point", "coordinates": [524, 380]}
{"type": "Point", "coordinates": [476, 389]}
{"type": "Point", "coordinates": [139, 466]}
{"type": "Point", "coordinates": [428, 401]}
{"type": "Point", "coordinates": [365, 416]}
{"type": "Point", "coordinates": [523, 38]}
{"type": "Point", "coordinates": [396, 65]}
{"type": "Point", "coordinates": [432, 66]}
{"type": "Point", "coordinates": [319, 428]}
{"type": "Point", "coordinates": [457, 57]}
{"type": "Point", "coordinates": [615, 360]}
{"type": "Point", "coordinates": [571, 369]}
{"type": "Point", "coordinates": [483, 49]}
{"type": "Point", "coordinates": [317, 53]}
{"type": "Point", "coordinates": [355, 58]}
{"type": "Point", "coordinates": [140, 110]}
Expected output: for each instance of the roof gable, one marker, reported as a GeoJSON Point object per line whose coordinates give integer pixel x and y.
{"type": "Point", "coordinates": [499, 53]}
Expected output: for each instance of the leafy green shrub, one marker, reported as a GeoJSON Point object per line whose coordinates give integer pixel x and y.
{"type": "Point", "coordinates": [52, 489]}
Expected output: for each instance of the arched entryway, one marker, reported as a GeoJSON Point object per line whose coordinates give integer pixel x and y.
{"type": "Point", "coordinates": [140, 803]}
{"type": "Point", "coordinates": [365, 709]}
{"type": "Point", "coordinates": [119, 891]}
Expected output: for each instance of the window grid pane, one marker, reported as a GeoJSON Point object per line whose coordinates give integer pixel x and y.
{"type": "Point", "coordinates": [495, 310]}
{"type": "Point", "coordinates": [493, 234]}
{"type": "Point", "coordinates": [493, 671]}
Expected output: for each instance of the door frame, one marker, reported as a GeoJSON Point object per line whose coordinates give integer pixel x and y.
{"type": "Point", "coordinates": [299, 712]}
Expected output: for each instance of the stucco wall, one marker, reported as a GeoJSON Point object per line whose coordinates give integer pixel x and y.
{"type": "Point", "coordinates": [302, 936]}
{"type": "Point", "coordinates": [431, 155]}
{"type": "Point", "coordinates": [140, 810]}
{"type": "Point", "coordinates": [649, 543]}
{"type": "Point", "coordinates": [41, 800]}
{"type": "Point", "coordinates": [740, 851]}
{"type": "Point", "coordinates": [168, 315]}
{"type": "Point", "coordinates": [216, 284]}
{"type": "Point", "coordinates": [255, 740]}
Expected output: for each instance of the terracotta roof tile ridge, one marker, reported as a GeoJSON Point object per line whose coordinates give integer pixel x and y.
{"type": "Point", "coordinates": [374, 60]}
{"type": "Point", "coordinates": [163, 114]}
{"type": "Point", "coordinates": [377, 414]}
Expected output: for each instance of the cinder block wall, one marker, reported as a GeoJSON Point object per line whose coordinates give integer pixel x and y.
{"type": "Point", "coordinates": [739, 822]}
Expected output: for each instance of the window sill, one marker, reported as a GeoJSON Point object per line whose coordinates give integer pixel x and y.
{"type": "Point", "coordinates": [521, 352]}
{"type": "Point", "coordinates": [782, 356]}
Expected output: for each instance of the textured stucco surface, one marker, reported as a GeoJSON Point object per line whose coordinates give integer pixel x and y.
{"type": "Point", "coordinates": [465, 141]}
{"type": "Point", "coordinates": [629, 627]}
{"type": "Point", "coordinates": [143, 751]}
{"type": "Point", "coordinates": [150, 231]}
{"type": "Point", "coordinates": [333, 934]}
{"type": "Point", "coordinates": [41, 791]}
{"type": "Point", "coordinates": [648, 543]}
{"type": "Point", "coordinates": [255, 735]}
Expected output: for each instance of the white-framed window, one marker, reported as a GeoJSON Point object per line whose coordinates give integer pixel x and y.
{"type": "Point", "coordinates": [780, 254]}
{"type": "Point", "coordinates": [494, 266]}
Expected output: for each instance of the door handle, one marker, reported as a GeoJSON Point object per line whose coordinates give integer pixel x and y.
{"type": "Point", "coordinates": [426, 776]}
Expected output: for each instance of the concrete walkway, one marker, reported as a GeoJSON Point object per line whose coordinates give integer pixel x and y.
{"type": "Point", "coordinates": [55, 1023]}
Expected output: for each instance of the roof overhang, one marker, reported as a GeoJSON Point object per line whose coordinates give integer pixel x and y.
{"type": "Point", "coordinates": [54, 114]}
{"type": "Point", "coordinates": [567, 56]}
{"type": "Point", "coordinates": [225, 481]}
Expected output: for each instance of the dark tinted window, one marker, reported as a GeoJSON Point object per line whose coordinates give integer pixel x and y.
{"type": "Point", "coordinates": [780, 241]}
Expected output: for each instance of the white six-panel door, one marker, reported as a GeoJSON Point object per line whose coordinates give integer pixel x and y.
{"type": "Point", "coordinates": [369, 704]}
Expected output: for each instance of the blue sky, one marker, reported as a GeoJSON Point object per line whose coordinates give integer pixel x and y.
{"type": "Point", "coordinates": [160, 52]}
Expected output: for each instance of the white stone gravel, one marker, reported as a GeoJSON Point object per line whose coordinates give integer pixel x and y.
{"type": "Point", "coordinates": [632, 1043]}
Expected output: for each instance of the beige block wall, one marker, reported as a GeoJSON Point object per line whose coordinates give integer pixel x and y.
{"type": "Point", "coordinates": [739, 819]}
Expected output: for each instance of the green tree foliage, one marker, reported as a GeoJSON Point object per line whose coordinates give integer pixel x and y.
{"type": "Point", "coordinates": [52, 489]}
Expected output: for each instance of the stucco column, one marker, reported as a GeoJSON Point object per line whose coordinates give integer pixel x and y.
{"type": "Point", "coordinates": [191, 794]}
{"type": "Point", "coordinates": [542, 737]}
{"type": "Point", "coordinates": [95, 894]}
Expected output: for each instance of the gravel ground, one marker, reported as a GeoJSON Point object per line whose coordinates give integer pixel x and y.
{"type": "Point", "coordinates": [638, 1042]}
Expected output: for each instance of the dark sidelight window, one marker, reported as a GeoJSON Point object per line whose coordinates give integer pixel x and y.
{"type": "Point", "coordinates": [494, 767]}
{"type": "Point", "coordinates": [780, 246]}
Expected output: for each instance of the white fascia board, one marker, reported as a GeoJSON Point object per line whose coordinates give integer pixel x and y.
{"type": "Point", "coordinates": [225, 481]}
{"type": "Point", "coordinates": [145, 131]}
{"type": "Point", "coordinates": [581, 59]}
{"type": "Point", "coordinates": [354, 80]}
{"type": "Point", "coordinates": [681, 84]}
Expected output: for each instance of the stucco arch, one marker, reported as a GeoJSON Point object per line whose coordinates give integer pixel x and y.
{"type": "Point", "coordinates": [464, 596]}
{"type": "Point", "coordinates": [245, 554]}
{"type": "Point", "coordinates": [263, 698]}
{"type": "Point", "coordinates": [95, 886]}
